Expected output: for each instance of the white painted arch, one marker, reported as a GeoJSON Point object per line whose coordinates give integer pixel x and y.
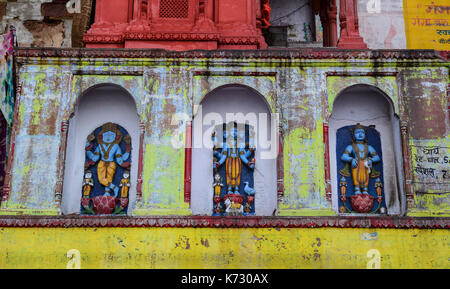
{"type": "Point", "coordinates": [369, 105]}
{"type": "Point", "coordinates": [232, 98]}
{"type": "Point", "coordinates": [95, 106]}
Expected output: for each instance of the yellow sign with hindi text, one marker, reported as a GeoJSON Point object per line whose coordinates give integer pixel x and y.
{"type": "Point", "coordinates": [427, 24]}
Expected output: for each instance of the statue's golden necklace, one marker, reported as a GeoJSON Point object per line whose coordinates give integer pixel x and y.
{"type": "Point", "coordinates": [358, 151]}
{"type": "Point", "coordinates": [107, 151]}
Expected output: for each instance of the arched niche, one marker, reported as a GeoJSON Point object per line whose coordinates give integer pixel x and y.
{"type": "Point", "coordinates": [234, 99]}
{"type": "Point", "coordinates": [98, 105]}
{"type": "Point", "coordinates": [372, 108]}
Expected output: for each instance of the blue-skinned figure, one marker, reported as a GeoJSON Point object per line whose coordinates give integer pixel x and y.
{"type": "Point", "coordinates": [361, 156]}
{"type": "Point", "coordinates": [233, 154]}
{"type": "Point", "coordinates": [107, 154]}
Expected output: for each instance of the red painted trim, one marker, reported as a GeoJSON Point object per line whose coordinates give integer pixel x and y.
{"type": "Point", "coordinates": [140, 162]}
{"type": "Point", "coordinates": [445, 54]}
{"type": "Point", "coordinates": [280, 168]}
{"type": "Point", "coordinates": [61, 162]}
{"type": "Point", "coordinates": [226, 222]}
{"type": "Point", "coordinates": [326, 142]}
{"type": "Point", "coordinates": [159, 36]}
{"type": "Point", "coordinates": [188, 163]}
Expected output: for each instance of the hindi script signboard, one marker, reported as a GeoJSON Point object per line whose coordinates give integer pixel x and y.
{"type": "Point", "coordinates": [427, 24]}
{"type": "Point", "coordinates": [431, 168]}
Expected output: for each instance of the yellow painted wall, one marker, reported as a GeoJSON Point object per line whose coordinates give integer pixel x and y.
{"type": "Point", "coordinates": [223, 248]}
{"type": "Point", "coordinates": [427, 24]}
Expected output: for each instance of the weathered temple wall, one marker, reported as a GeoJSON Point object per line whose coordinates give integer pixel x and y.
{"type": "Point", "coordinates": [301, 91]}
{"type": "Point", "coordinates": [428, 103]}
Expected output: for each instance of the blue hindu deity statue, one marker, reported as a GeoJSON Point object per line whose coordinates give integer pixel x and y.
{"type": "Point", "coordinates": [234, 162]}
{"type": "Point", "coordinates": [107, 171]}
{"type": "Point", "coordinates": [358, 162]}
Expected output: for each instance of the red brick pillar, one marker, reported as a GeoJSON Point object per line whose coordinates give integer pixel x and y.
{"type": "Point", "coordinates": [324, 20]}
{"type": "Point", "coordinates": [327, 11]}
{"type": "Point", "coordinates": [348, 17]}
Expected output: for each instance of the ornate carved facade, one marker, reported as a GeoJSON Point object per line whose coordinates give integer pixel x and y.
{"type": "Point", "coordinates": [179, 24]}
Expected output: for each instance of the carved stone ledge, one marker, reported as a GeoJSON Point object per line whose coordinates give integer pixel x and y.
{"type": "Point", "coordinates": [102, 38]}
{"type": "Point", "coordinates": [236, 40]}
{"type": "Point", "coordinates": [298, 53]}
{"type": "Point", "coordinates": [227, 222]}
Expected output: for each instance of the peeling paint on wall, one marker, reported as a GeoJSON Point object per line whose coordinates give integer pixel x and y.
{"type": "Point", "coordinates": [200, 248]}
{"type": "Point", "coordinates": [301, 91]}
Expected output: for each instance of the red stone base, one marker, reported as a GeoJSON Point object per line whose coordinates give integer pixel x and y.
{"type": "Point", "coordinates": [351, 43]}
{"type": "Point", "coordinates": [104, 205]}
{"type": "Point", "coordinates": [362, 203]}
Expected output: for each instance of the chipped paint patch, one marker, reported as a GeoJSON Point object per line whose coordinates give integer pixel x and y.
{"type": "Point", "coordinates": [303, 170]}
{"type": "Point", "coordinates": [369, 236]}
{"type": "Point", "coordinates": [163, 184]}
